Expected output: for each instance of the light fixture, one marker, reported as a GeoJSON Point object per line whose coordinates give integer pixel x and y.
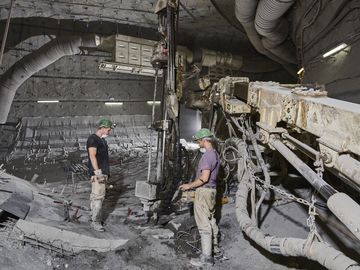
{"type": "Point", "coordinates": [145, 70]}
{"type": "Point", "coordinates": [114, 103]}
{"type": "Point", "coordinates": [301, 70]}
{"type": "Point", "coordinates": [335, 50]}
{"type": "Point", "coordinates": [150, 102]}
{"type": "Point", "coordinates": [48, 101]}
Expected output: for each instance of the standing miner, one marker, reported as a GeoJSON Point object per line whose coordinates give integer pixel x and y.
{"type": "Point", "coordinates": [97, 149]}
{"type": "Point", "coordinates": [205, 197]}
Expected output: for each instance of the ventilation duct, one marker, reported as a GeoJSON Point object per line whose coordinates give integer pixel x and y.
{"type": "Point", "coordinates": [275, 29]}
{"type": "Point", "coordinates": [245, 11]}
{"type": "Point", "coordinates": [22, 70]}
{"type": "Point", "coordinates": [210, 58]}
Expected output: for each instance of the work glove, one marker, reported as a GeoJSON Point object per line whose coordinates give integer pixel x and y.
{"type": "Point", "coordinates": [100, 177]}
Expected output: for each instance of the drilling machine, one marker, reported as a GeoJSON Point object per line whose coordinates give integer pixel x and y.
{"type": "Point", "coordinates": [272, 127]}
{"type": "Point", "coordinates": [269, 128]}
{"type": "Point", "coordinates": [157, 193]}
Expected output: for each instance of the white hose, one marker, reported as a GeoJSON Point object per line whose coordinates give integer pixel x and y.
{"type": "Point", "coordinates": [317, 251]}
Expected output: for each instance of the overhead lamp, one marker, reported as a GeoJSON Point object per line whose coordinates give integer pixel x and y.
{"type": "Point", "coordinates": [150, 102]}
{"type": "Point", "coordinates": [145, 70]}
{"type": "Point", "coordinates": [301, 70]}
{"type": "Point", "coordinates": [123, 68]}
{"type": "Point", "coordinates": [335, 50]}
{"type": "Point", "coordinates": [48, 101]}
{"type": "Point", "coordinates": [114, 103]}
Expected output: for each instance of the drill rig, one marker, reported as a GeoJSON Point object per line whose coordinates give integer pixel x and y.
{"type": "Point", "coordinates": [264, 129]}
{"type": "Point", "coordinates": [272, 126]}
{"type": "Point", "coordinates": [169, 151]}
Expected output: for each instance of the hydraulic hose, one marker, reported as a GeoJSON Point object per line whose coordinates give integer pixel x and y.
{"type": "Point", "coordinates": [317, 251]}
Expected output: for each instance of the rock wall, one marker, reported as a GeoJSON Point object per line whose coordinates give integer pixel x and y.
{"type": "Point", "coordinates": [319, 26]}
{"type": "Point", "coordinates": [79, 84]}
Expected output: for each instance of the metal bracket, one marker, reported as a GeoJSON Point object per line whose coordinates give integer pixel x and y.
{"type": "Point", "coordinates": [266, 131]}
{"type": "Point", "coordinates": [161, 125]}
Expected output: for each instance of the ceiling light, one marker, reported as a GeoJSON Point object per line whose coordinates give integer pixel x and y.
{"type": "Point", "coordinates": [48, 101]}
{"type": "Point", "coordinates": [146, 71]}
{"type": "Point", "coordinates": [301, 70]}
{"type": "Point", "coordinates": [150, 102]}
{"type": "Point", "coordinates": [335, 50]}
{"type": "Point", "coordinates": [124, 68]}
{"type": "Point", "coordinates": [114, 103]}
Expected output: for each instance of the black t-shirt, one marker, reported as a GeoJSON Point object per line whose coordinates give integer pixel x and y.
{"type": "Point", "coordinates": [102, 155]}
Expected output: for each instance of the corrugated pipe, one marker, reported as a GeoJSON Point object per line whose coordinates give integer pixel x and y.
{"type": "Point", "coordinates": [211, 58]}
{"type": "Point", "coordinates": [275, 29]}
{"type": "Point", "coordinates": [317, 251]}
{"type": "Point", "coordinates": [14, 77]}
{"type": "Point", "coordinates": [245, 11]}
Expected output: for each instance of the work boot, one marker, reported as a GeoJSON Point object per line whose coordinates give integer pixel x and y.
{"type": "Point", "coordinates": [218, 253]}
{"type": "Point", "coordinates": [203, 260]}
{"type": "Point", "coordinates": [97, 226]}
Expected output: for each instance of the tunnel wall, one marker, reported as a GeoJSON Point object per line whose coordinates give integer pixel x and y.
{"type": "Point", "coordinates": [319, 26]}
{"type": "Point", "coordinates": [78, 81]}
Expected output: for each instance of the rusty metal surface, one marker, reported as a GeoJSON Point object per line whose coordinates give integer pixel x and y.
{"type": "Point", "coordinates": [304, 110]}
{"type": "Point", "coordinates": [335, 122]}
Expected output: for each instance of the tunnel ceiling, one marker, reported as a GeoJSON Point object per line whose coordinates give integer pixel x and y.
{"type": "Point", "coordinates": [210, 22]}
{"type": "Point", "coordinates": [314, 27]}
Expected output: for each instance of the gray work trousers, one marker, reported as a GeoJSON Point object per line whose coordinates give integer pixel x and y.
{"type": "Point", "coordinates": [97, 197]}
{"type": "Point", "coordinates": [204, 211]}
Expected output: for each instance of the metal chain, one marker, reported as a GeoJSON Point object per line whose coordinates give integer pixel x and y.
{"type": "Point", "coordinates": [278, 190]}
{"type": "Point", "coordinates": [311, 219]}
{"type": "Point", "coordinates": [319, 166]}
{"type": "Point", "coordinates": [265, 185]}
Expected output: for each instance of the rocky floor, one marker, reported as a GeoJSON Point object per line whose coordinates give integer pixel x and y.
{"type": "Point", "coordinates": [149, 246]}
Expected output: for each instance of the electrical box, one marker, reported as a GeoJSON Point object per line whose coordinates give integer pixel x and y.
{"type": "Point", "coordinates": [133, 51]}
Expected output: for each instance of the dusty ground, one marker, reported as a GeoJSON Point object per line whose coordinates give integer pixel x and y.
{"type": "Point", "coordinates": [124, 219]}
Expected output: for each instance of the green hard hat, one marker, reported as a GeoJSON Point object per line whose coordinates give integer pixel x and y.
{"type": "Point", "coordinates": [202, 133]}
{"type": "Point", "coordinates": [106, 123]}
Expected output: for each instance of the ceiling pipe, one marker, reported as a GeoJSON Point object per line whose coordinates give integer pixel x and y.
{"type": "Point", "coordinates": [210, 58]}
{"type": "Point", "coordinates": [275, 29]}
{"type": "Point", "coordinates": [22, 70]}
{"type": "Point", "coordinates": [245, 11]}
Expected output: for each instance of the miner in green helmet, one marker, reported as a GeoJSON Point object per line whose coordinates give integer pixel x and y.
{"type": "Point", "coordinates": [99, 171]}
{"type": "Point", "coordinates": [106, 123]}
{"type": "Point", "coordinates": [205, 198]}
